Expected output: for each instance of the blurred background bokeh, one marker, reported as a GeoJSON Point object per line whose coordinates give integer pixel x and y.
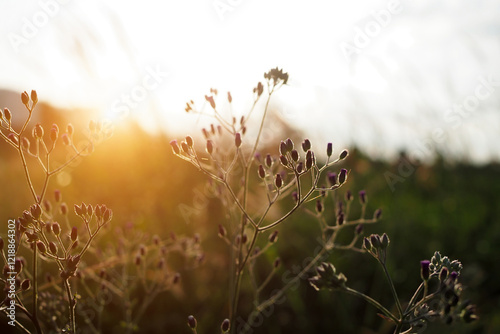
{"type": "Point", "coordinates": [411, 89]}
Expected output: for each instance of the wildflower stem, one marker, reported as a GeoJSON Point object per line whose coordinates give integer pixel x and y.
{"type": "Point", "coordinates": [372, 301]}
{"type": "Point", "coordinates": [393, 289]}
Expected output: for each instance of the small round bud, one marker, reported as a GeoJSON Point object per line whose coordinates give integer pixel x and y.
{"type": "Point", "coordinates": [229, 97]}
{"type": "Point", "coordinates": [295, 155]}
{"type": "Point", "coordinates": [268, 161]}
{"type": "Point", "coordinates": [319, 206]}
{"type": "Point", "coordinates": [343, 154]}
{"type": "Point", "coordinates": [25, 285]}
{"type": "Point", "coordinates": [329, 149]}
{"type": "Point", "coordinates": [13, 138]}
{"type": "Point", "coordinates": [295, 196]}
{"type": "Point", "coordinates": [278, 181]}
{"type": "Point", "coordinates": [38, 131]}
{"type": "Point", "coordinates": [340, 218]}
{"type": "Point", "coordinates": [377, 214]}
{"type": "Point", "coordinates": [185, 147]}
{"type": "Point", "coordinates": [424, 269]}
{"type": "Point", "coordinates": [41, 247]}
{"type": "Point", "coordinates": [210, 147]}
{"type": "Point", "coordinates": [189, 141]}
{"type": "Point", "coordinates": [384, 242]}
{"type": "Point", "coordinates": [36, 211]}
{"type": "Point", "coordinates": [57, 195]}
{"type": "Point", "coordinates": [52, 247]}
{"type": "Point", "coordinates": [261, 172]}
{"type": "Point", "coordinates": [175, 147]}
{"type": "Point", "coordinates": [66, 139]}
{"type": "Point", "coordinates": [283, 148]}
{"type": "Point", "coordinates": [362, 197]}
{"type": "Point", "coordinates": [289, 145]}
{"type": "Point", "coordinates": [283, 160]}
{"type": "Point", "coordinates": [276, 262]}
{"type": "Point", "coordinates": [342, 175]}
{"type": "Point", "coordinates": [222, 231]}
{"type": "Point", "coordinates": [74, 233]}
{"type": "Point", "coordinates": [177, 278]}
{"type": "Point", "coordinates": [54, 132]}
{"type": "Point", "coordinates": [332, 178]}
{"type": "Point", "coordinates": [367, 243]}
{"type": "Point", "coordinates": [359, 229]}
{"type": "Point", "coordinates": [237, 140]}
{"type": "Point", "coordinates": [273, 237]}
{"type": "Point", "coordinates": [34, 97]}
{"type": "Point", "coordinates": [225, 326]}
{"type": "Point", "coordinates": [375, 240]}
{"type": "Point", "coordinates": [63, 208]}
{"type": "Point", "coordinates": [192, 322]}
{"type": "Point", "coordinates": [7, 114]}
{"type": "Point", "coordinates": [300, 167]}
{"type": "Point", "coordinates": [25, 98]}
{"type": "Point", "coordinates": [56, 228]}
{"type": "Point", "coordinates": [306, 145]}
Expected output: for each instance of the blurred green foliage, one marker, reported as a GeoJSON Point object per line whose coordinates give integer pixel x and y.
{"type": "Point", "coordinates": [450, 207]}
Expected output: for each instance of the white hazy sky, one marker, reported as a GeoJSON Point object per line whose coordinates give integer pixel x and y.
{"type": "Point", "coordinates": [397, 90]}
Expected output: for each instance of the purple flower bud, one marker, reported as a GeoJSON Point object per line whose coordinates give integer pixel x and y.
{"type": "Point", "coordinates": [295, 155]}
{"type": "Point", "coordinates": [283, 148]}
{"type": "Point", "coordinates": [229, 97]}
{"type": "Point", "coordinates": [261, 172]}
{"type": "Point", "coordinates": [306, 145]}
{"type": "Point", "coordinates": [25, 98]}
{"type": "Point", "coordinates": [283, 160]}
{"type": "Point", "coordinates": [329, 149]}
{"type": "Point", "coordinates": [289, 145]}
{"type": "Point", "coordinates": [276, 262]}
{"type": "Point", "coordinates": [192, 322]}
{"type": "Point", "coordinates": [342, 175]}
{"type": "Point", "coordinates": [377, 214]}
{"type": "Point", "coordinates": [210, 147]}
{"type": "Point", "coordinates": [34, 97]}
{"type": "Point", "coordinates": [210, 99]}
{"type": "Point", "coordinates": [295, 196]}
{"type": "Point", "coordinates": [175, 147]}
{"type": "Point", "coordinates": [52, 247]}
{"type": "Point", "coordinates": [237, 140]}
{"type": "Point", "coordinates": [7, 114]}
{"type": "Point", "coordinates": [300, 167]}
{"type": "Point", "coordinates": [41, 247]}
{"type": "Point", "coordinates": [332, 178]}
{"type": "Point", "coordinates": [343, 154]}
{"type": "Point", "coordinates": [185, 147]}
{"type": "Point", "coordinates": [268, 161]}
{"type": "Point", "coordinates": [362, 197]}
{"type": "Point", "coordinates": [225, 326]}
{"type": "Point", "coordinates": [375, 240]}
{"type": "Point", "coordinates": [319, 206]}
{"type": "Point", "coordinates": [189, 141]}
{"type": "Point", "coordinates": [222, 231]}
{"type": "Point", "coordinates": [359, 229]}
{"type": "Point", "coordinates": [273, 237]}
{"type": "Point", "coordinates": [74, 233]}
{"type": "Point", "coordinates": [278, 181]}
{"type": "Point", "coordinates": [424, 269]}
{"type": "Point", "coordinates": [367, 243]}
{"type": "Point", "coordinates": [340, 218]}
{"type": "Point", "coordinates": [453, 276]}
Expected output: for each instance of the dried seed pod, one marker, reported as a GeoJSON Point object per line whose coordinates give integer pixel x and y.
{"type": "Point", "coordinates": [295, 155]}
{"type": "Point", "coordinates": [237, 140]}
{"type": "Point", "coordinates": [278, 181]}
{"type": "Point", "coordinates": [362, 197]}
{"type": "Point", "coordinates": [268, 161]}
{"type": "Point", "coordinates": [225, 326]}
{"type": "Point", "coordinates": [189, 141]}
{"type": "Point", "coordinates": [175, 147]}
{"type": "Point", "coordinates": [34, 97]}
{"type": "Point", "coordinates": [273, 237]}
{"type": "Point", "coordinates": [306, 145]}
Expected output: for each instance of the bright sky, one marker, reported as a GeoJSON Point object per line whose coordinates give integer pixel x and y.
{"type": "Point", "coordinates": [382, 74]}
